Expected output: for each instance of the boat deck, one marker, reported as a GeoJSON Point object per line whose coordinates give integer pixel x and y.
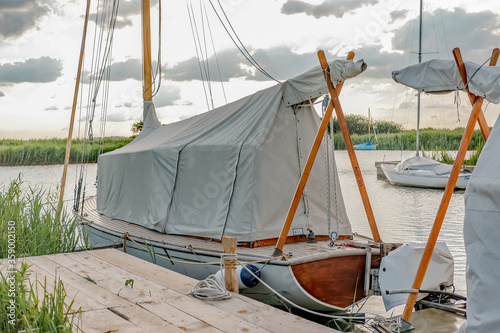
{"type": "Point", "coordinates": [157, 302]}
{"type": "Point", "coordinates": [300, 251]}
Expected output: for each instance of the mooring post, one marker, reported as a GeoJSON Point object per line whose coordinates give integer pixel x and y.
{"type": "Point", "coordinates": [230, 277]}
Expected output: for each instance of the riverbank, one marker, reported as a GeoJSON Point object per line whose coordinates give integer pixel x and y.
{"type": "Point", "coordinates": [52, 151]}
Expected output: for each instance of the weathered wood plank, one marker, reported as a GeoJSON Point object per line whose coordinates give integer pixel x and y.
{"type": "Point", "coordinates": [243, 307]}
{"type": "Point", "coordinates": [90, 289]}
{"type": "Point", "coordinates": [181, 319]}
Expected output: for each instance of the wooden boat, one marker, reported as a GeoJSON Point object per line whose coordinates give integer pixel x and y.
{"type": "Point", "coordinates": [176, 190]}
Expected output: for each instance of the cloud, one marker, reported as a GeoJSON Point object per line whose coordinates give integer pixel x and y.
{"type": "Point", "coordinates": [167, 95]}
{"type": "Point", "coordinates": [2, 94]}
{"type": "Point", "coordinates": [461, 29]}
{"type": "Point", "coordinates": [40, 70]}
{"type": "Point", "coordinates": [121, 71]}
{"type": "Point", "coordinates": [118, 117]}
{"type": "Point", "coordinates": [52, 108]}
{"type": "Point", "coordinates": [280, 62]}
{"type": "Point", "coordinates": [126, 10]}
{"type": "Point", "coordinates": [336, 8]}
{"type": "Point", "coordinates": [398, 15]}
{"type": "Point", "coordinates": [19, 16]}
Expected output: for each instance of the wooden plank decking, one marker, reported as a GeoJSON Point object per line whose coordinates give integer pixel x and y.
{"type": "Point", "coordinates": [158, 301]}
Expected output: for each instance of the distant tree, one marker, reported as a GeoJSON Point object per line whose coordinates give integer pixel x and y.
{"type": "Point", "coordinates": [358, 124]}
{"type": "Point", "coordinates": [137, 127]}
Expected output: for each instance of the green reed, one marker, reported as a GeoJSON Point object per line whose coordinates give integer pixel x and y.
{"type": "Point", "coordinates": [31, 306]}
{"type": "Point", "coordinates": [28, 216]}
{"type": "Point", "coordinates": [430, 139]}
{"type": "Point", "coordinates": [53, 151]}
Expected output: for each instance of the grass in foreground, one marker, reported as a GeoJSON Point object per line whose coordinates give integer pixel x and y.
{"type": "Point", "coordinates": [28, 306]}
{"type": "Point", "coordinates": [29, 225]}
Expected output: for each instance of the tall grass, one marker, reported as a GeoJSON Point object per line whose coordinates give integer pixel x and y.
{"type": "Point", "coordinates": [26, 308]}
{"type": "Point", "coordinates": [37, 230]}
{"type": "Point", "coordinates": [430, 139]}
{"type": "Point", "coordinates": [53, 151]}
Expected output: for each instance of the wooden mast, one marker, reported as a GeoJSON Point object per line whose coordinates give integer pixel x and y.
{"type": "Point", "coordinates": [73, 112]}
{"type": "Point", "coordinates": [438, 222]}
{"type": "Point", "coordinates": [310, 161]}
{"type": "Point", "coordinates": [146, 51]}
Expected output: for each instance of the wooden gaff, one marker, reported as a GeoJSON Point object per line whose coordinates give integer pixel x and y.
{"type": "Point", "coordinates": [73, 112]}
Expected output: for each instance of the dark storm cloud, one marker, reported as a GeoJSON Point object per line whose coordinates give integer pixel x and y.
{"type": "Point", "coordinates": [475, 34]}
{"type": "Point", "coordinates": [121, 71]}
{"type": "Point", "coordinates": [43, 69]}
{"type": "Point", "coordinates": [336, 8]}
{"type": "Point", "coordinates": [19, 16]}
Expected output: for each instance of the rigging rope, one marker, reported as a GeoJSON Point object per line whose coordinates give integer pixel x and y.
{"type": "Point", "coordinates": [107, 11]}
{"type": "Point", "coordinates": [241, 47]}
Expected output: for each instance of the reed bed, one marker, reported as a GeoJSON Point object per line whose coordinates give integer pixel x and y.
{"type": "Point", "coordinates": [430, 139]}
{"type": "Point", "coordinates": [32, 306]}
{"type": "Point", "coordinates": [28, 216]}
{"type": "Point", "coordinates": [53, 151]}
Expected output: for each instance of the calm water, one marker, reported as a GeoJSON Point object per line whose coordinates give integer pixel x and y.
{"type": "Point", "coordinates": [402, 214]}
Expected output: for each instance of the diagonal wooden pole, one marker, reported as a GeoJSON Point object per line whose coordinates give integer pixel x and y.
{"type": "Point", "coordinates": [73, 111]}
{"type": "Point", "coordinates": [438, 222]}
{"type": "Point", "coordinates": [278, 250]}
{"type": "Point", "coordinates": [461, 68]}
{"type": "Point", "coordinates": [350, 148]}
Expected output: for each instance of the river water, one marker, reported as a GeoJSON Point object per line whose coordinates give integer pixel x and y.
{"type": "Point", "coordinates": [402, 214]}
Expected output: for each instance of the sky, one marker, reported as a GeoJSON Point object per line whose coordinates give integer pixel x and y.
{"type": "Point", "coordinates": [40, 45]}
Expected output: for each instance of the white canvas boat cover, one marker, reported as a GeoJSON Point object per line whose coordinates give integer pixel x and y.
{"type": "Point", "coordinates": [442, 76]}
{"type": "Point", "coordinates": [482, 239]}
{"type": "Point", "coordinates": [424, 163]}
{"type": "Point", "coordinates": [398, 269]}
{"type": "Point", "coordinates": [231, 171]}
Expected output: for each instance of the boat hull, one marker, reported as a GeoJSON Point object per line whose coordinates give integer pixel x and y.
{"type": "Point", "coordinates": [421, 178]}
{"type": "Point", "coordinates": [326, 282]}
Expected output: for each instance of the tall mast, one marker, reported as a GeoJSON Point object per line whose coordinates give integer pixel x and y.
{"type": "Point", "coordinates": [419, 61]}
{"type": "Point", "coordinates": [146, 51]}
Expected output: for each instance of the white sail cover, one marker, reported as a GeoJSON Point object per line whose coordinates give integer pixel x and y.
{"type": "Point", "coordinates": [398, 269]}
{"type": "Point", "coordinates": [442, 76]}
{"type": "Point", "coordinates": [231, 171]}
{"type": "Point", "coordinates": [424, 163]}
{"type": "Point", "coordinates": [482, 239]}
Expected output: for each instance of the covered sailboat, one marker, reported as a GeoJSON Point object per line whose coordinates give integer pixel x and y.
{"type": "Point", "coordinates": [178, 189]}
{"type": "Point", "coordinates": [437, 77]}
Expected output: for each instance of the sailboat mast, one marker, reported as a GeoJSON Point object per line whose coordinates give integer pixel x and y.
{"type": "Point", "coordinates": [419, 61]}
{"type": "Point", "coordinates": [146, 50]}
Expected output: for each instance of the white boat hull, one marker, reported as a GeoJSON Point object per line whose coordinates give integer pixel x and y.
{"type": "Point", "coordinates": [421, 178]}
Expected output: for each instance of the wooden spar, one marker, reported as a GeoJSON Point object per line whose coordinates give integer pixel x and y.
{"type": "Point", "coordinates": [230, 276]}
{"type": "Point", "coordinates": [461, 68]}
{"type": "Point", "coordinates": [278, 250]}
{"type": "Point", "coordinates": [146, 50]}
{"type": "Point", "coordinates": [350, 148]}
{"type": "Point", "coordinates": [73, 112]}
{"type": "Point", "coordinates": [438, 222]}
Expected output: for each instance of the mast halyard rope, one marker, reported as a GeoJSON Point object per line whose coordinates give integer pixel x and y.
{"type": "Point", "coordinates": [107, 11]}
{"type": "Point", "coordinates": [241, 47]}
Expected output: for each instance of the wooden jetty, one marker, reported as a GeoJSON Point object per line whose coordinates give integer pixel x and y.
{"type": "Point", "coordinates": [158, 300]}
